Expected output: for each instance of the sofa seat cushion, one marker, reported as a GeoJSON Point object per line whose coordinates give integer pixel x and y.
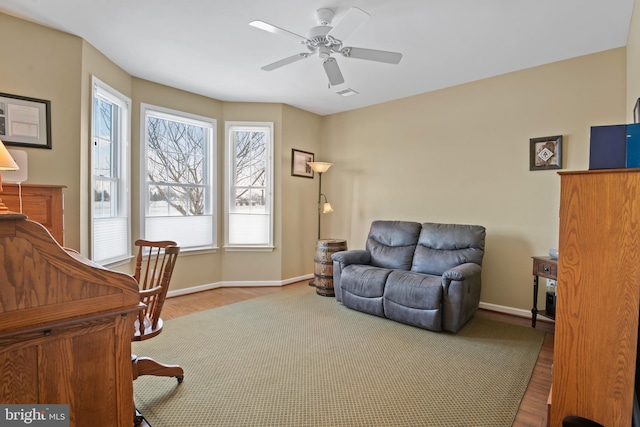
{"type": "Point", "coordinates": [414, 298]}
{"type": "Point", "coordinates": [363, 287]}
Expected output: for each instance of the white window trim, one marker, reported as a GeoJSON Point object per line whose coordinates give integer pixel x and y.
{"type": "Point", "coordinates": [196, 120]}
{"type": "Point", "coordinates": [123, 101]}
{"type": "Point", "coordinates": [228, 176]}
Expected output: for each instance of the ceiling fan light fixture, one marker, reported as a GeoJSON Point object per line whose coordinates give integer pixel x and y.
{"type": "Point", "coordinates": [323, 52]}
{"type": "Point", "coordinates": [347, 92]}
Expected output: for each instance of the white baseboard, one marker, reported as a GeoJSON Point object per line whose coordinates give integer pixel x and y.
{"type": "Point", "coordinates": [239, 284]}
{"type": "Point", "coordinates": [512, 311]}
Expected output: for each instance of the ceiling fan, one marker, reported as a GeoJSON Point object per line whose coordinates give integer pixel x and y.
{"type": "Point", "coordinates": [325, 40]}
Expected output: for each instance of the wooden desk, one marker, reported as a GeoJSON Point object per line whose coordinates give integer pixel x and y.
{"type": "Point", "coordinates": [547, 267]}
{"type": "Point", "coordinates": [65, 328]}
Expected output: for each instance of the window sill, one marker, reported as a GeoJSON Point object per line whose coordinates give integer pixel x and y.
{"type": "Point", "coordinates": [198, 251]}
{"type": "Point", "coordinates": [249, 248]}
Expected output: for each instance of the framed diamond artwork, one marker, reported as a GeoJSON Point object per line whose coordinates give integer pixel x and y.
{"type": "Point", "coordinates": [545, 153]}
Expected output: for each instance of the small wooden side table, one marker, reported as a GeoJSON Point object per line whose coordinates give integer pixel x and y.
{"type": "Point", "coordinates": [547, 267]}
{"type": "Point", "coordinates": [323, 268]}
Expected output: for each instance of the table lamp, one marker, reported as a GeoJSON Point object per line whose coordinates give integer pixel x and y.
{"type": "Point", "coordinates": [6, 164]}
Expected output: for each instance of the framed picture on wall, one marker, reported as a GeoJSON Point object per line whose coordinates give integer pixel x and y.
{"type": "Point", "coordinates": [25, 121]}
{"type": "Point", "coordinates": [299, 166]}
{"type": "Point", "coordinates": [545, 153]}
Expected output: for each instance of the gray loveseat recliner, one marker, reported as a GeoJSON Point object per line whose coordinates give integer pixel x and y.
{"type": "Point", "coordinates": [425, 275]}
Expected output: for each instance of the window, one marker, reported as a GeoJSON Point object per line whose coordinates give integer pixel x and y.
{"type": "Point", "coordinates": [178, 178]}
{"type": "Point", "coordinates": [249, 189]}
{"type": "Point", "coordinates": [110, 184]}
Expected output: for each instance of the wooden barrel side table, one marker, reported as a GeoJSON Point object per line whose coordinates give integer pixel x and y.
{"type": "Point", "coordinates": [323, 268]}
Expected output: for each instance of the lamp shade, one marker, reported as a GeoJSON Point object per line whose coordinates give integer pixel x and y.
{"type": "Point", "coordinates": [320, 167]}
{"type": "Point", "coordinates": [6, 161]}
{"type": "Point", "coordinates": [326, 208]}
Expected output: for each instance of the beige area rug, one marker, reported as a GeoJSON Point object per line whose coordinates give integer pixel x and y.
{"type": "Point", "coordinates": [294, 358]}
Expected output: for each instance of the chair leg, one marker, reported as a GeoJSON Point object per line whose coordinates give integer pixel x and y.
{"type": "Point", "coordinates": [148, 366]}
{"type": "Point", "coordinates": [138, 419]}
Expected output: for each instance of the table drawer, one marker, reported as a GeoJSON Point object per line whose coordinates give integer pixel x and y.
{"type": "Point", "coordinates": [545, 269]}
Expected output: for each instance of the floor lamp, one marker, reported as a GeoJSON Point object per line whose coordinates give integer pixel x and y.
{"type": "Point", "coordinates": [320, 168]}
{"type": "Point", "coordinates": [6, 164]}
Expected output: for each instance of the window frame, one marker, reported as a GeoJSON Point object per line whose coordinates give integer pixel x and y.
{"type": "Point", "coordinates": [211, 170]}
{"type": "Point", "coordinates": [99, 89]}
{"type": "Point", "coordinates": [229, 187]}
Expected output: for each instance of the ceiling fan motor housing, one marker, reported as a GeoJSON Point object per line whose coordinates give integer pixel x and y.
{"type": "Point", "coordinates": [317, 41]}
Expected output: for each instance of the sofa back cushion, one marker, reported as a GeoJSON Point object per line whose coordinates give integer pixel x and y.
{"type": "Point", "coordinates": [393, 243]}
{"type": "Point", "coordinates": [444, 246]}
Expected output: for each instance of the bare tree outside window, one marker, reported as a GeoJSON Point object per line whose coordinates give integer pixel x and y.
{"type": "Point", "coordinates": [176, 168]}
{"type": "Point", "coordinates": [250, 170]}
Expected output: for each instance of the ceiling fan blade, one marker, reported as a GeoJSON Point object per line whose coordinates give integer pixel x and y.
{"type": "Point", "coordinates": [372, 55]}
{"type": "Point", "coordinates": [285, 61]}
{"type": "Point", "coordinates": [348, 24]}
{"type": "Point", "coordinates": [277, 30]}
{"type": "Point", "coordinates": [333, 71]}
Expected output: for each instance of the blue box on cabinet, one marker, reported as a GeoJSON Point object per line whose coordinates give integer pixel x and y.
{"type": "Point", "coordinates": [633, 145]}
{"type": "Point", "coordinates": [615, 147]}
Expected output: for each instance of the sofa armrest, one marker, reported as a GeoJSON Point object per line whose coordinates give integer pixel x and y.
{"type": "Point", "coordinates": [460, 273]}
{"type": "Point", "coordinates": [341, 260]}
{"type": "Point", "coordinates": [354, 256]}
{"type": "Point", "coordinates": [461, 287]}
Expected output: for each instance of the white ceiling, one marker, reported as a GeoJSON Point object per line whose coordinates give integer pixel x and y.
{"type": "Point", "coordinates": [207, 46]}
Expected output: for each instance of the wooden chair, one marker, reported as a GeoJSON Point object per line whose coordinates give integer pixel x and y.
{"type": "Point", "coordinates": [154, 266]}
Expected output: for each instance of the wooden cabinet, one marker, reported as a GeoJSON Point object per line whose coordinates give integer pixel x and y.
{"type": "Point", "coordinates": [65, 328]}
{"type": "Point", "coordinates": [598, 294]}
{"type": "Point", "coordinates": [41, 203]}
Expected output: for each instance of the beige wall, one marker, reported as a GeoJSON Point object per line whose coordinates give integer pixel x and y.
{"type": "Point", "coordinates": [633, 62]}
{"type": "Point", "coordinates": [456, 155]}
{"type": "Point", "coordinates": [461, 155]}
{"type": "Point", "coordinates": [298, 203]}
{"type": "Point", "coordinates": [41, 63]}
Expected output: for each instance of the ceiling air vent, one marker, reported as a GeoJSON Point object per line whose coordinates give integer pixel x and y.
{"type": "Point", "coordinates": [347, 92]}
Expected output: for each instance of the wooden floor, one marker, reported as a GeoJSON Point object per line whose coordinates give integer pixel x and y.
{"type": "Point", "coordinates": [533, 409]}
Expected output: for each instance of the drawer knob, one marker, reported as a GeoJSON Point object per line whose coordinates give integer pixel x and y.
{"type": "Point", "coordinates": [546, 269]}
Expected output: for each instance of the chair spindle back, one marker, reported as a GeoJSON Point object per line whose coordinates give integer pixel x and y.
{"type": "Point", "coordinates": [154, 267]}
